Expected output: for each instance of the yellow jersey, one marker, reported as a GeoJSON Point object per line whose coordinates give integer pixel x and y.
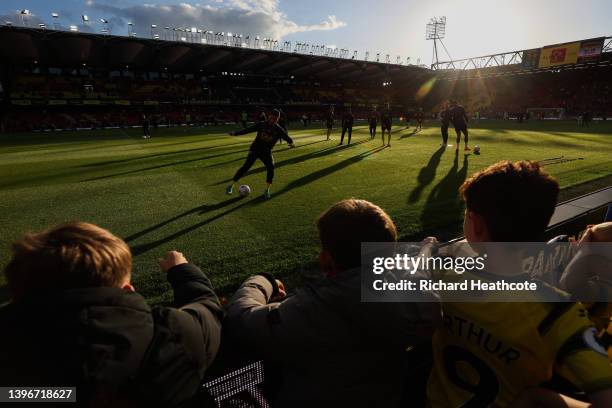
{"type": "Point", "coordinates": [485, 354]}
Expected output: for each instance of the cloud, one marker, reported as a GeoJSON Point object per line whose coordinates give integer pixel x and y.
{"type": "Point", "coordinates": [248, 17]}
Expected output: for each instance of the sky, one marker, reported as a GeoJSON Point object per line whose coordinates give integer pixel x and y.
{"type": "Point", "coordinates": [396, 27]}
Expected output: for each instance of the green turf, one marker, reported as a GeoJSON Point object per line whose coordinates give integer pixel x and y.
{"type": "Point", "coordinates": [168, 192]}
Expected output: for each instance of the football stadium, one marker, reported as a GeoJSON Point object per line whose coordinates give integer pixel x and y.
{"type": "Point", "coordinates": [186, 216]}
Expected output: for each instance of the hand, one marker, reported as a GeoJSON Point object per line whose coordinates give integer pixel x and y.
{"type": "Point", "coordinates": [282, 293]}
{"type": "Point", "coordinates": [587, 236]}
{"type": "Point", "coordinates": [172, 259]}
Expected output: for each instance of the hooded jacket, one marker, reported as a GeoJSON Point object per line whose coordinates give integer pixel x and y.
{"type": "Point", "coordinates": [332, 349]}
{"type": "Point", "coordinates": [113, 347]}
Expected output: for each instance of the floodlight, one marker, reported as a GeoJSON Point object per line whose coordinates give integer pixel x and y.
{"type": "Point", "coordinates": [194, 30]}
{"type": "Point", "coordinates": [74, 28]}
{"type": "Point", "coordinates": [85, 18]}
{"type": "Point", "coordinates": [55, 15]}
{"type": "Point", "coordinates": [25, 12]}
{"type": "Point", "coordinates": [103, 21]}
{"type": "Point", "coordinates": [153, 25]}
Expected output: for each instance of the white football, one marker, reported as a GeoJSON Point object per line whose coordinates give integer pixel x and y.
{"type": "Point", "coordinates": [476, 149]}
{"type": "Point", "coordinates": [244, 190]}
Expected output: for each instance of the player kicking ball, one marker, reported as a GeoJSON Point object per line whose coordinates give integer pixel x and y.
{"type": "Point", "coordinates": [268, 133]}
{"type": "Point", "coordinates": [459, 119]}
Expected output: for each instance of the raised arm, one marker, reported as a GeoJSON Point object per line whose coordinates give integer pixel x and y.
{"type": "Point", "coordinates": [197, 313]}
{"type": "Point", "coordinates": [284, 135]}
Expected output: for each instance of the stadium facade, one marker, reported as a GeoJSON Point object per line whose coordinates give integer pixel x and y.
{"type": "Point", "coordinates": [53, 79]}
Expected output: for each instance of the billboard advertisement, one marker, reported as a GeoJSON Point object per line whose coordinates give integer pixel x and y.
{"type": "Point", "coordinates": [590, 50]}
{"type": "Point", "coordinates": [562, 54]}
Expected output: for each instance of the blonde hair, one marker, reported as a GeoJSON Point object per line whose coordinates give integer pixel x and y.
{"type": "Point", "coordinates": [71, 255]}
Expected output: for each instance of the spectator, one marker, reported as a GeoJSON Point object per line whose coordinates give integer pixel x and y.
{"type": "Point", "coordinates": [76, 320]}
{"type": "Point", "coordinates": [490, 354]}
{"type": "Point", "coordinates": [332, 349]}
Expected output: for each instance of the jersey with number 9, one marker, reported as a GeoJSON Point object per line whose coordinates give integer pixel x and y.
{"type": "Point", "coordinates": [485, 354]}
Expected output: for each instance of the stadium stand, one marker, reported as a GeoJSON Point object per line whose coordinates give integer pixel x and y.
{"type": "Point", "coordinates": [51, 80]}
{"type": "Point", "coordinates": [65, 80]}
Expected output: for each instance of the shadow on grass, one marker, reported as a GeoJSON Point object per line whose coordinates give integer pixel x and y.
{"type": "Point", "coordinates": [202, 209]}
{"type": "Point", "coordinates": [443, 205]}
{"type": "Point", "coordinates": [409, 134]}
{"type": "Point", "coordinates": [426, 176]}
{"type": "Point", "coordinates": [199, 149]}
{"type": "Point", "coordinates": [142, 248]}
{"type": "Point", "coordinates": [160, 166]}
{"type": "Point", "coordinates": [299, 159]}
{"type": "Point", "coordinates": [309, 178]}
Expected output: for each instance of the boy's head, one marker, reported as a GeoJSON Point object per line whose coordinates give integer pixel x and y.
{"type": "Point", "coordinates": [69, 256]}
{"type": "Point", "coordinates": [344, 226]}
{"type": "Point", "coordinates": [509, 202]}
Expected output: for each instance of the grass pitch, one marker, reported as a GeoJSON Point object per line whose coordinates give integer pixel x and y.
{"type": "Point", "coordinates": [168, 192]}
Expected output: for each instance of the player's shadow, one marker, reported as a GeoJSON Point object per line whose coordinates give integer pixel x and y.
{"type": "Point", "coordinates": [427, 174]}
{"type": "Point", "coordinates": [202, 209]}
{"type": "Point", "coordinates": [161, 166]}
{"type": "Point", "coordinates": [142, 248]}
{"type": "Point", "coordinates": [299, 159]}
{"type": "Point", "coordinates": [309, 178]}
{"type": "Point", "coordinates": [150, 156]}
{"type": "Point", "coordinates": [409, 134]}
{"type": "Point", "coordinates": [443, 205]}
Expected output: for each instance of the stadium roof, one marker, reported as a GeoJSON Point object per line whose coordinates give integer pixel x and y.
{"type": "Point", "coordinates": [27, 46]}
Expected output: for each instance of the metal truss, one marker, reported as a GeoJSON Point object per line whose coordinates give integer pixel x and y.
{"type": "Point", "coordinates": [488, 61]}
{"type": "Point", "coordinates": [496, 60]}
{"type": "Point", "coordinates": [607, 45]}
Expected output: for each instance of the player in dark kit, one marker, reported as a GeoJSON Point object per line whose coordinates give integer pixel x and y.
{"type": "Point", "coordinates": [373, 121]}
{"type": "Point", "coordinates": [329, 121]}
{"type": "Point", "coordinates": [385, 124]}
{"type": "Point", "coordinates": [445, 117]}
{"type": "Point", "coordinates": [347, 125]}
{"type": "Point", "coordinates": [419, 116]}
{"type": "Point", "coordinates": [459, 119]}
{"type": "Point", "coordinates": [146, 125]}
{"type": "Point", "coordinates": [268, 133]}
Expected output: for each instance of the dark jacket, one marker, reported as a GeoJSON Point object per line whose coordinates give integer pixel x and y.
{"type": "Point", "coordinates": [333, 350]}
{"type": "Point", "coordinates": [458, 116]}
{"type": "Point", "coordinates": [445, 117]}
{"type": "Point", "coordinates": [111, 345]}
{"type": "Point", "coordinates": [267, 136]}
{"type": "Point", "coordinates": [347, 120]}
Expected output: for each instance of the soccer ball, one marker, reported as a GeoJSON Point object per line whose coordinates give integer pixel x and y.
{"type": "Point", "coordinates": [476, 149]}
{"type": "Point", "coordinates": [244, 190]}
